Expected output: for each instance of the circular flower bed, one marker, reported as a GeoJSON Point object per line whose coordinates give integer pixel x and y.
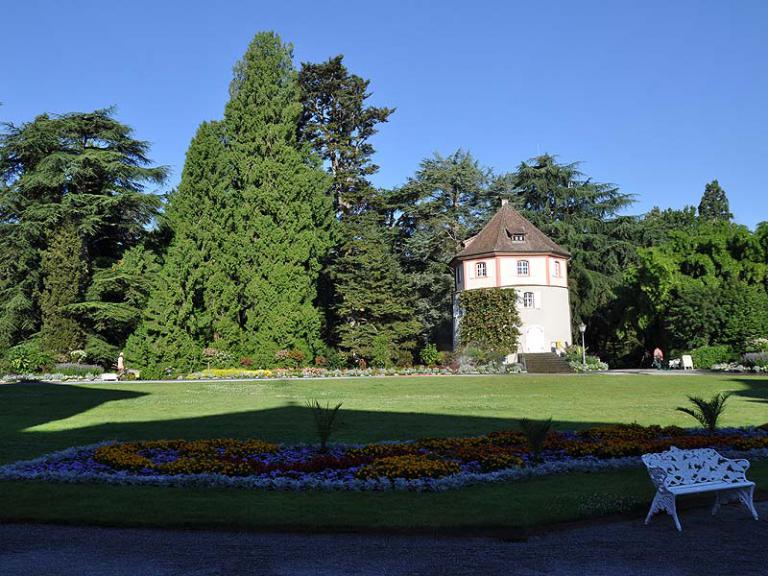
{"type": "Point", "coordinates": [426, 464]}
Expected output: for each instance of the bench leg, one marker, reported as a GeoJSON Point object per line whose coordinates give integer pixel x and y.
{"type": "Point", "coordinates": [746, 497]}
{"type": "Point", "coordinates": [716, 507]}
{"type": "Point", "coordinates": [664, 502]}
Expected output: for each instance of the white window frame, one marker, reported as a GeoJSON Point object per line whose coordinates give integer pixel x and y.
{"type": "Point", "coordinates": [529, 300]}
{"type": "Point", "coordinates": [523, 264]}
{"type": "Point", "coordinates": [481, 266]}
{"type": "Point", "coordinates": [459, 274]}
{"type": "Point", "coordinates": [558, 270]}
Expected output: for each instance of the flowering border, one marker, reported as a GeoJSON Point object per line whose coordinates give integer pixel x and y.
{"type": "Point", "coordinates": [25, 470]}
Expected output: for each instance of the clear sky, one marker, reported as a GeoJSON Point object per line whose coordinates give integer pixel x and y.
{"type": "Point", "coordinates": [658, 97]}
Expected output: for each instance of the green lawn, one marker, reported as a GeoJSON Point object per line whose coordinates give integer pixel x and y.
{"type": "Point", "coordinates": [39, 418]}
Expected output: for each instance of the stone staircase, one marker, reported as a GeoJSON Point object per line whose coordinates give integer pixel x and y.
{"type": "Point", "coordinates": [545, 363]}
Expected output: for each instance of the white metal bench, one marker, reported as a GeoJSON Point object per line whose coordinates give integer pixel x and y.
{"type": "Point", "coordinates": [678, 472]}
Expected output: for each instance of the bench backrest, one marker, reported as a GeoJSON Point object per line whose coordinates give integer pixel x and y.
{"type": "Point", "coordinates": [690, 467]}
{"type": "Point", "coordinates": [687, 362]}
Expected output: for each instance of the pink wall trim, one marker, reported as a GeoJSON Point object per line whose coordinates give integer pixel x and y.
{"type": "Point", "coordinates": [498, 271]}
{"type": "Point", "coordinates": [549, 278]}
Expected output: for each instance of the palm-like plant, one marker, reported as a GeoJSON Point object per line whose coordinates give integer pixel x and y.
{"type": "Point", "coordinates": [707, 412]}
{"type": "Point", "coordinates": [326, 421]}
{"type": "Point", "coordinates": [535, 432]}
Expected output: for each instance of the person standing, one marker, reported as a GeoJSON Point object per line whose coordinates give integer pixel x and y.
{"type": "Point", "coordinates": [121, 364]}
{"type": "Point", "coordinates": [658, 358]}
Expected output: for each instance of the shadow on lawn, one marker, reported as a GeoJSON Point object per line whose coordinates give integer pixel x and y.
{"type": "Point", "coordinates": [755, 390]}
{"type": "Point", "coordinates": [25, 405]}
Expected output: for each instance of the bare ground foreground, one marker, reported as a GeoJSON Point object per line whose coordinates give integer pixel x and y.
{"type": "Point", "coordinates": [731, 543]}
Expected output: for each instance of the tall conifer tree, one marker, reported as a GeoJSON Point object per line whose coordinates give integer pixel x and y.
{"type": "Point", "coordinates": [367, 295]}
{"type": "Point", "coordinates": [177, 323]}
{"type": "Point", "coordinates": [714, 203]}
{"type": "Point", "coordinates": [284, 214]}
{"type": "Point", "coordinates": [64, 273]}
{"type": "Point", "coordinates": [251, 224]}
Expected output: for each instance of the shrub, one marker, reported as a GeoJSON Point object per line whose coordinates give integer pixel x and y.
{"type": "Point", "coordinates": [337, 360]}
{"type": "Point", "coordinates": [381, 351]}
{"type": "Point", "coordinates": [289, 358]}
{"type": "Point", "coordinates": [706, 356]}
{"type": "Point", "coordinates": [321, 361]}
{"type": "Point", "coordinates": [215, 358]}
{"type": "Point", "coordinates": [755, 359]}
{"type": "Point", "coordinates": [573, 355]}
{"type": "Point", "coordinates": [77, 369]}
{"type": "Point", "coordinates": [404, 359]}
{"type": "Point", "coordinates": [78, 356]}
{"type": "Point", "coordinates": [707, 412]}
{"type": "Point", "coordinates": [758, 345]}
{"type": "Point", "coordinates": [28, 357]}
{"type": "Point", "coordinates": [100, 352]}
{"type": "Point", "coordinates": [246, 362]}
{"type": "Point", "coordinates": [430, 355]}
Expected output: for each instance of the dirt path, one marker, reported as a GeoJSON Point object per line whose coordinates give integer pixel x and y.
{"type": "Point", "coordinates": [731, 543]}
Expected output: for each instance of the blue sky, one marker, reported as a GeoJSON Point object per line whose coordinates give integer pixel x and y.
{"type": "Point", "coordinates": [656, 97]}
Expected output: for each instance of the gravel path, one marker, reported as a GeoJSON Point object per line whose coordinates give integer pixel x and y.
{"type": "Point", "coordinates": [731, 543]}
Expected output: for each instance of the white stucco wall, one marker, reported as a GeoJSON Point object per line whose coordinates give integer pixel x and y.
{"type": "Point", "coordinates": [548, 322]}
{"type": "Point", "coordinates": [551, 312]}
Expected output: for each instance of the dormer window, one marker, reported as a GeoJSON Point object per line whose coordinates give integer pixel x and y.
{"type": "Point", "coordinates": [516, 236]}
{"type": "Point", "coordinates": [481, 270]}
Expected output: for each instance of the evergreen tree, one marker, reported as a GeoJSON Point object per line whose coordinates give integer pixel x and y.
{"type": "Point", "coordinates": [714, 203]}
{"type": "Point", "coordinates": [64, 272]}
{"type": "Point", "coordinates": [194, 300]}
{"type": "Point", "coordinates": [80, 170]}
{"type": "Point", "coordinates": [284, 215]}
{"type": "Point", "coordinates": [251, 224]}
{"type": "Point", "coordinates": [583, 216]}
{"type": "Point", "coordinates": [114, 303]}
{"type": "Point", "coordinates": [374, 298]}
{"type": "Point", "coordinates": [338, 124]}
{"type": "Point", "coordinates": [443, 204]}
{"type": "Point", "coordinates": [366, 291]}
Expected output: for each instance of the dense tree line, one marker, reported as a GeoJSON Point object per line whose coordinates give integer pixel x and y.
{"type": "Point", "coordinates": [276, 248]}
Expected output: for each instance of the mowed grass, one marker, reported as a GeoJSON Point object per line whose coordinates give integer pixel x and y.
{"type": "Point", "coordinates": [37, 418]}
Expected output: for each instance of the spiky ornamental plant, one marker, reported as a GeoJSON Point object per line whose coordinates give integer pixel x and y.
{"type": "Point", "coordinates": [326, 421]}
{"type": "Point", "coordinates": [707, 412]}
{"type": "Point", "coordinates": [535, 432]}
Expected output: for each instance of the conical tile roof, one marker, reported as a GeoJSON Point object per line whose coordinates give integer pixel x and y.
{"type": "Point", "coordinates": [509, 233]}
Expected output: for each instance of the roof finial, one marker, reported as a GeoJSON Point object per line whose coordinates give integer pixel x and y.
{"type": "Point", "coordinates": [504, 201]}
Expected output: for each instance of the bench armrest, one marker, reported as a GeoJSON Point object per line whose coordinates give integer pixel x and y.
{"type": "Point", "coordinates": [658, 475]}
